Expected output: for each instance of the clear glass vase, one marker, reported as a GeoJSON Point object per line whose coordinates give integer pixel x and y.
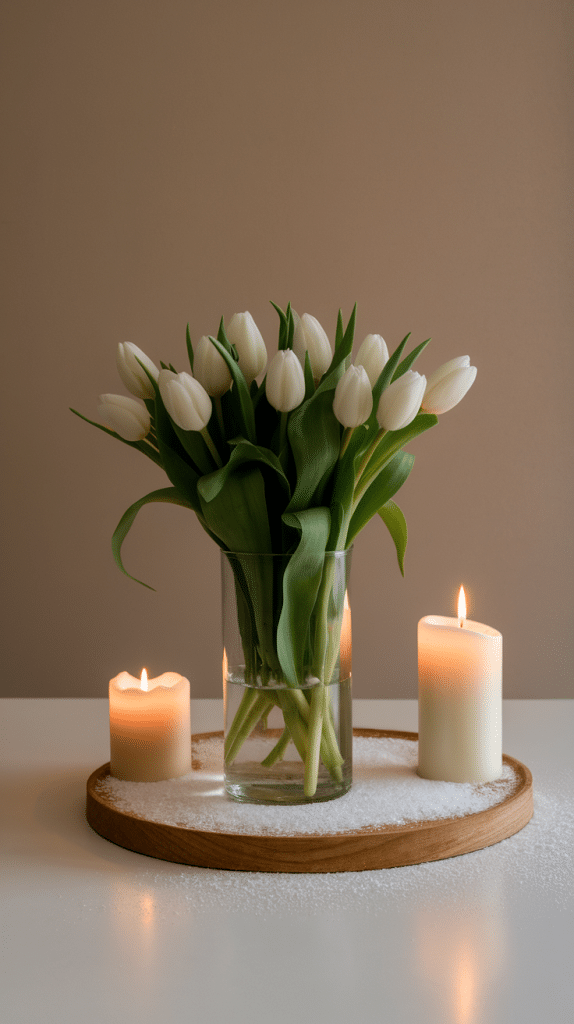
{"type": "Point", "coordinates": [286, 677]}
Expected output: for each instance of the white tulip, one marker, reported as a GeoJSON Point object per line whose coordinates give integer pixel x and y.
{"type": "Point", "coordinates": [132, 374]}
{"type": "Point", "coordinates": [310, 337]}
{"type": "Point", "coordinates": [448, 385]}
{"type": "Point", "coordinates": [353, 401]}
{"type": "Point", "coordinates": [285, 382]}
{"type": "Point", "coordinates": [243, 332]}
{"type": "Point", "coordinates": [210, 368]}
{"type": "Point", "coordinates": [185, 399]}
{"type": "Point", "coordinates": [401, 401]}
{"type": "Point", "coordinates": [373, 354]}
{"type": "Point", "coordinates": [129, 419]}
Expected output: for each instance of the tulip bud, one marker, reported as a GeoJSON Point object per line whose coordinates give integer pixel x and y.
{"type": "Point", "coordinates": [285, 382]}
{"type": "Point", "coordinates": [210, 368]}
{"type": "Point", "coordinates": [401, 401]}
{"type": "Point", "coordinates": [132, 374]}
{"type": "Point", "coordinates": [448, 385]}
{"type": "Point", "coordinates": [186, 401]}
{"type": "Point", "coordinates": [310, 337]}
{"type": "Point", "coordinates": [353, 401]}
{"type": "Point", "coordinates": [242, 331]}
{"type": "Point", "coordinates": [373, 354]}
{"type": "Point", "coordinates": [129, 419]}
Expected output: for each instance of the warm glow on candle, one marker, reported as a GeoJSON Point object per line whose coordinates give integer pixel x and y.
{"type": "Point", "coordinates": [461, 607]}
{"type": "Point", "coordinates": [460, 698]}
{"type": "Point", "coordinates": [150, 731]}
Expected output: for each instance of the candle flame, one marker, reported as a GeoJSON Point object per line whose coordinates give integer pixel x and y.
{"type": "Point", "coordinates": [461, 607]}
{"type": "Point", "coordinates": [143, 680]}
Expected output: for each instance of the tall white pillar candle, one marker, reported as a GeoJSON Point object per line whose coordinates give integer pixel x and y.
{"type": "Point", "coordinates": [460, 700]}
{"type": "Point", "coordinates": [150, 731]}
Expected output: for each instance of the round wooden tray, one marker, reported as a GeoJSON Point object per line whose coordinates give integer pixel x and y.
{"type": "Point", "coordinates": [385, 846]}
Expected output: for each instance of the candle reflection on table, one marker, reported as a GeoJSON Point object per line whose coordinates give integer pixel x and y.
{"type": "Point", "coordinates": [460, 949]}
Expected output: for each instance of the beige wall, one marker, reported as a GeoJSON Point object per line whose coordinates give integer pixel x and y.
{"type": "Point", "coordinates": [174, 161]}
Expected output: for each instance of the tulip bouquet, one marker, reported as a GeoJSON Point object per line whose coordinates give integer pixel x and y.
{"type": "Point", "coordinates": [294, 465]}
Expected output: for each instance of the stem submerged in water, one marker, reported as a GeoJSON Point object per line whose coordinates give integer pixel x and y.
{"type": "Point", "coordinates": [307, 710]}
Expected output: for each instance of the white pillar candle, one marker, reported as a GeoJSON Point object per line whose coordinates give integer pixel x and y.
{"type": "Point", "coordinates": [460, 699]}
{"type": "Point", "coordinates": [150, 731]}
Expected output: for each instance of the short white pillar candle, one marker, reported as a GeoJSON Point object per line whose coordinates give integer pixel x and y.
{"type": "Point", "coordinates": [150, 730]}
{"type": "Point", "coordinates": [460, 700]}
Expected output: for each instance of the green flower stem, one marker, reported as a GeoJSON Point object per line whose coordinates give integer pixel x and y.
{"type": "Point", "coordinates": [377, 463]}
{"type": "Point", "coordinates": [283, 430]}
{"type": "Point", "coordinates": [330, 753]}
{"type": "Point", "coordinates": [330, 740]}
{"type": "Point", "coordinates": [256, 590]}
{"type": "Point", "coordinates": [261, 706]}
{"type": "Point", "coordinates": [326, 649]}
{"type": "Point", "coordinates": [256, 704]}
{"type": "Point", "coordinates": [366, 459]}
{"type": "Point", "coordinates": [314, 735]}
{"type": "Point", "coordinates": [278, 750]}
{"type": "Point", "coordinates": [150, 450]}
{"type": "Point", "coordinates": [348, 433]}
{"type": "Point", "coordinates": [322, 618]}
{"type": "Point", "coordinates": [246, 703]}
{"type": "Point", "coordinates": [293, 721]}
{"type": "Point", "coordinates": [263, 605]}
{"type": "Point", "coordinates": [307, 716]}
{"type": "Point", "coordinates": [212, 449]}
{"type": "Point", "coordinates": [333, 645]}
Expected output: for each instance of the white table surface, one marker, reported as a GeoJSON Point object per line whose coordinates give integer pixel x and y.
{"type": "Point", "coordinates": [95, 933]}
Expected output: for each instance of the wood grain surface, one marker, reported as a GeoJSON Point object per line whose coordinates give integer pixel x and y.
{"type": "Point", "coordinates": [379, 846]}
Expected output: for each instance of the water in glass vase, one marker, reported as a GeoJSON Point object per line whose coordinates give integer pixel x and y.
{"type": "Point", "coordinates": [263, 764]}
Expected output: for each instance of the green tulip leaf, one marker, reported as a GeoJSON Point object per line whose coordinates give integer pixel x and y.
{"type": "Point", "coordinates": [150, 376]}
{"type": "Point", "coordinates": [386, 375]}
{"type": "Point", "coordinates": [409, 360]}
{"type": "Point", "coordinates": [286, 327]}
{"type": "Point", "coordinates": [189, 347]}
{"type": "Point", "coordinates": [165, 494]}
{"type": "Point", "coordinates": [238, 515]}
{"type": "Point", "coordinates": [340, 331]}
{"type": "Point", "coordinates": [396, 524]}
{"type": "Point", "coordinates": [240, 392]}
{"type": "Point", "coordinates": [394, 440]}
{"type": "Point", "coordinates": [301, 583]}
{"type": "Point", "coordinates": [337, 525]}
{"type": "Point", "coordinates": [343, 342]}
{"type": "Point", "coordinates": [309, 381]}
{"type": "Point", "coordinates": [383, 487]}
{"type": "Point", "coordinates": [243, 451]}
{"type": "Point", "coordinates": [222, 337]}
{"type": "Point", "coordinates": [290, 326]}
{"type": "Point", "coordinates": [344, 486]}
{"type": "Point", "coordinates": [283, 327]}
{"type": "Point", "coordinates": [246, 618]}
{"type": "Point", "coordinates": [315, 436]}
{"type": "Point", "coordinates": [141, 446]}
{"type": "Point", "coordinates": [192, 442]}
{"type": "Point", "coordinates": [182, 473]}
